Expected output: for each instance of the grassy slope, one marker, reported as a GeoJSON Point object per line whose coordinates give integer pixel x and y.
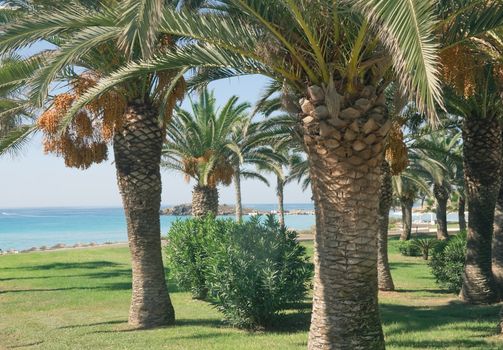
{"type": "Point", "coordinates": [79, 299]}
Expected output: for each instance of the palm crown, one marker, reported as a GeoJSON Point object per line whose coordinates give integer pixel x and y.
{"type": "Point", "coordinates": [200, 142]}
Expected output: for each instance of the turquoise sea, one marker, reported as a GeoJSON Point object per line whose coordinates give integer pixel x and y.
{"type": "Point", "coordinates": [34, 227]}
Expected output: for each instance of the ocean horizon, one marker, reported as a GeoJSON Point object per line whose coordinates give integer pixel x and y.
{"type": "Point", "coordinates": [24, 228]}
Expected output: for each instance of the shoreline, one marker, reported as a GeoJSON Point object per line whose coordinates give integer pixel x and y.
{"type": "Point", "coordinates": [62, 247]}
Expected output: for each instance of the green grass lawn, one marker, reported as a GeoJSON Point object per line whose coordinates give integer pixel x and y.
{"type": "Point", "coordinates": [79, 299]}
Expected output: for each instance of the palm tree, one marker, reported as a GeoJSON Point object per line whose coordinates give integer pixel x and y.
{"type": "Point", "coordinates": [446, 150]}
{"type": "Point", "coordinates": [336, 58]}
{"type": "Point", "coordinates": [249, 138]}
{"type": "Point", "coordinates": [384, 279]}
{"type": "Point", "coordinates": [276, 160]}
{"type": "Point", "coordinates": [200, 145]}
{"type": "Point", "coordinates": [495, 50]}
{"type": "Point", "coordinates": [89, 42]}
{"type": "Point", "coordinates": [482, 150]}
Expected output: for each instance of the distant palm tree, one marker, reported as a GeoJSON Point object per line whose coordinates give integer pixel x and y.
{"type": "Point", "coordinates": [279, 161]}
{"type": "Point", "coordinates": [250, 139]}
{"type": "Point", "coordinates": [384, 278]}
{"type": "Point", "coordinates": [408, 183]}
{"type": "Point", "coordinates": [200, 145]}
{"type": "Point", "coordinates": [446, 150]}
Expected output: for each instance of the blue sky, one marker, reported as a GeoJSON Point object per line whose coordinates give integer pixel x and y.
{"type": "Point", "coordinates": [34, 179]}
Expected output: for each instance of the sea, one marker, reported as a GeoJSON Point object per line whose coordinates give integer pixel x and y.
{"type": "Point", "coordinates": [25, 228]}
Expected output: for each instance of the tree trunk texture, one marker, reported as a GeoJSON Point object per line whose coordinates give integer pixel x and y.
{"type": "Point", "coordinates": [137, 149]}
{"type": "Point", "coordinates": [345, 141]}
{"type": "Point", "coordinates": [482, 149]}
{"type": "Point", "coordinates": [497, 244]}
{"type": "Point", "coordinates": [280, 195]}
{"type": "Point", "coordinates": [204, 201]}
{"type": "Point", "coordinates": [237, 187]}
{"type": "Point", "coordinates": [385, 281]}
{"type": "Point", "coordinates": [406, 204]}
{"type": "Point", "coordinates": [441, 193]}
{"type": "Point", "coordinates": [461, 213]}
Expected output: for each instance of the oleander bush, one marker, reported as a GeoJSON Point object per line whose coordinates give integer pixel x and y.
{"type": "Point", "coordinates": [249, 271]}
{"type": "Point", "coordinates": [186, 252]}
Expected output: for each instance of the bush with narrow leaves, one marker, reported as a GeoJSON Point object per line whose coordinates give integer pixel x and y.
{"type": "Point", "coordinates": [255, 270]}
{"type": "Point", "coordinates": [186, 252]}
{"type": "Point", "coordinates": [447, 262]}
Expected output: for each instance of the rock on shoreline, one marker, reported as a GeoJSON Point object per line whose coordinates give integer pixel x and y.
{"type": "Point", "coordinates": [225, 210]}
{"type": "Point", "coordinates": [186, 210]}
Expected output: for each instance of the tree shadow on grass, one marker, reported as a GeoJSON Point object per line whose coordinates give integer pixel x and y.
{"type": "Point", "coordinates": [93, 324]}
{"type": "Point", "coordinates": [110, 287]}
{"type": "Point", "coordinates": [409, 319]}
{"type": "Point", "coordinates": [108, 274]}
{"type": "Point", "coordinates": [291, 322]}
{"type": "Point", "coordinates": [441, 344]}
{"type": "Point", "coordinates": [68, 265]}
{"type": "Point", "coordinates": [178, 323]}
{"type": "Point", "coordinates": [25, 345]}
{"type": "Point", "coordinates": [432, 291]}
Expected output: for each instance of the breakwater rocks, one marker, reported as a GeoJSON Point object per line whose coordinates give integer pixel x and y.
{"type": "Point", "coordinates": [186, 210]}
{"type": "Point", "coordinates": [226, 210]}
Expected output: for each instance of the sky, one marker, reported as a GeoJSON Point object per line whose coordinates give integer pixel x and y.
{"type": "Point", "coordinates": [33, 179]}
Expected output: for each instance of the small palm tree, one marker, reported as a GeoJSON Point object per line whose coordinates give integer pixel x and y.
{"type": "Point", "coordinates": [278, 160]}
{"type": "Point", "coordinates": [200, 145]}
{"type": "Point", "coordinates": [425, 245]}
{"type": "Point", "coordinates": [250, 139]}
{"type": "Point", "coordinates": [446, 150]}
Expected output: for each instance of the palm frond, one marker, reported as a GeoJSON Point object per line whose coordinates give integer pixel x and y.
{"type": "Point", "coordinates": [407, 29]}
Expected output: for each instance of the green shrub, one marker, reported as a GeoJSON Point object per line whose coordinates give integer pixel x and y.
{"type": "Point", "coordinates": [447, 262]}
{"type": "Point", "coordinates": [186, 252]}
{"type": "Point", "coordinates": [408, 248]}
{"type": "Point", "coordinates": [256, 270]}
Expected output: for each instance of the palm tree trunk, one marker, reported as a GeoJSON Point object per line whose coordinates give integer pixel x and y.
{"type": "Point", "coordinates": [500, 325]}
{"type": "Point", "coordinates": [385, 281]}
{"type": "Point", "coordinates": [204, 201]}
{"type": "Point", "coordinates": [442, 196]}
{"type": "Point", "coordinates": [406, 205]}
{"type": "Point", "coordinates": [237, 187]}
{"type": "Point", "coordinates": [137, 149]}
{"type": "Point", "coordinates": [497, 244]}
{"type": "Point", "coordinates": [345, 150]}
{"type": "Point", "coordinates": [461, 213]}
{"type": "Point", "coordinates": [280, 195]}
{"type": "Point", "coordinates": [482, 148]}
